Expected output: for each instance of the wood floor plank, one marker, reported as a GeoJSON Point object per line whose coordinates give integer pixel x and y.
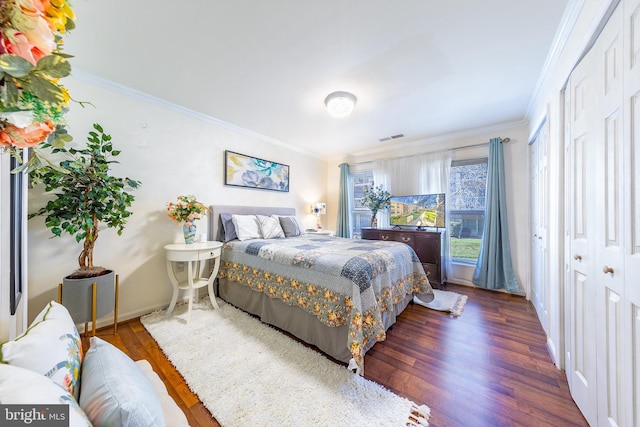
{"type": "Point", "coordinates": [488, 367]}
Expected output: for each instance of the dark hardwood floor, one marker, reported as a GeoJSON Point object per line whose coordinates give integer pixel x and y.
{"type": "Point", "coordinates": [488, 367]}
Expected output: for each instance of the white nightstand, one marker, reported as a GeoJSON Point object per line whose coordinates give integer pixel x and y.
{"type": "Point", "coordinates": [321, 232]}
{"type": "Point", "coordinates": [192, 254]}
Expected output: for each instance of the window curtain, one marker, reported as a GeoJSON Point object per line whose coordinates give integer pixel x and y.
{"type": "Point", "coordinates": [400, 177]}
{"type": "Point", "coordinates": [494, 269]}
{"type": "Point", "coordinates": [343, 227]}
{"type": "Point", "coordinates": [422, 174]}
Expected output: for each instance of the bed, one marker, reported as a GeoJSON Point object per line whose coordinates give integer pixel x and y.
{"type": "Point", "coordinates": [339, 295]}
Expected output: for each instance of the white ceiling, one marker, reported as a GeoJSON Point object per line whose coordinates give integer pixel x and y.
{"type": "Point", "coordinates": [418, 67]}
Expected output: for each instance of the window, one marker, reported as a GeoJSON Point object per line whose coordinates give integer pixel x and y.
{"type": "Point", "coordinates": [467, 188]}
{"type": "Point", "coordinates": [360, 214]}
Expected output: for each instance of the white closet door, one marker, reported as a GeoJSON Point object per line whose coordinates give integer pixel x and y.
{"type": "Point", "coordinates": [631, 325]}
{"type": "Point", "coordinates": [609, 272]}
{"type": "Point", "coordinates": [580, 358]}
{"type": "Point", "coordinates": [599, 356]}
{"type": "Point", "coordinates": [539, 225]}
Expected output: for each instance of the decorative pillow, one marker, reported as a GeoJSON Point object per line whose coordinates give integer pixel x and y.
{"type": "Point", "coordinates": [51, 346]}
{"type": "Point", "coordinates": [247, 227]}
{"type": "Point", "coordinates": [270, 227]}
{"type": "Point", "coordinates": [290, 225]}
{"type": "Point", "coordinates": [19, 386]}
{"type": "Point", "coordinates": [173, 416]}
{"type": "Point", "coordinates": [115, 391]}
{"type": "Point", "coordinates": [228, 229]}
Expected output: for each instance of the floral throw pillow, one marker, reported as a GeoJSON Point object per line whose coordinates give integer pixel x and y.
{"type": "Point", "coordinates": [51, 346]}
{"type": "Point", "coordinates": [19, 386]}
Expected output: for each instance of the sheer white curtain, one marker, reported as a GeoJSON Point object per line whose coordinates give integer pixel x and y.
{"type": "Point", "coordinates": [421, 174]}
{"type": "Point", "coordinates": [400, 177]}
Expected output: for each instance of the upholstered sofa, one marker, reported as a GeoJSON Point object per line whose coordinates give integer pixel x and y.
{"type": "Point", "coordinates": [103, 387]}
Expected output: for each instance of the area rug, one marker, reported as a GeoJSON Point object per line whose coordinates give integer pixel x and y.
{"type": "Point", "coordinates": [249, 374]}
{"type": "Point", "coordinates": [445, 301]}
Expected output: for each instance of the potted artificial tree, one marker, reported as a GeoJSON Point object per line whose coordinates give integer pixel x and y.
{"type": "Point", "coordinates": [86, 196]}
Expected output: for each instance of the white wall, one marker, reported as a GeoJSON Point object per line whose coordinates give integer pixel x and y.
{"type": "Point", "coordinates": [516, 167]}
{"type": "Point", "coordinates": [173, 152]}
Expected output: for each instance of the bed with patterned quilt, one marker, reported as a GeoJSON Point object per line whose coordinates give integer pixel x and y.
{"type": "Point", "coordinates": [337, 294]}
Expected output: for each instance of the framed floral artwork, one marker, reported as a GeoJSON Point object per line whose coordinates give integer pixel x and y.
{"type": "Point", "coordinates": [252, 172]}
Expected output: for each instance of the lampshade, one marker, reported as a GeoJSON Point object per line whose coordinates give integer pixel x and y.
{"type": "Point", "coordinates": [319, 208]}
{"type": "Point", "coordinates": [340, 104]}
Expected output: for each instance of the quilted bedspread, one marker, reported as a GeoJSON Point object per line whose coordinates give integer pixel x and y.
{"type": "Point", "coordinates": [338, 280]}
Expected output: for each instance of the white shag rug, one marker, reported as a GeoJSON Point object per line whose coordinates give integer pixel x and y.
{"type": "Point", "coordinates": [249, 374]}
{"type": "Point", "coordinates": [445, 301]}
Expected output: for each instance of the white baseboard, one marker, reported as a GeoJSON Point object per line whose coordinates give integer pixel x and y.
{"type": "Point", "coordinates": [553, 352]}
{"type": "Point", "coordinates": [123, 317]}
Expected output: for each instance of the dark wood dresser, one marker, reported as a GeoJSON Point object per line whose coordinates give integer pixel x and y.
{"type": "Point", "coordinates": [426, 244]}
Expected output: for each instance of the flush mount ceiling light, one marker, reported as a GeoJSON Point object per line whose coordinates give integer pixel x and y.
{"type": "Point", "coordinates": [340, 104]}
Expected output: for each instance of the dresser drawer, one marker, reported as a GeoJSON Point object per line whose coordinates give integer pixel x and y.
{"type": "Point", "coordinates": [386, 236]}
{"type": "Point", "coordinates": [426, 244]}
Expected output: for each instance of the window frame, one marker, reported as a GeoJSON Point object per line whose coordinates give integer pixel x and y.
{"type": "Point", "coordinates": [356, 213]}
{"type": "Point", "coordinates": [482, 159]}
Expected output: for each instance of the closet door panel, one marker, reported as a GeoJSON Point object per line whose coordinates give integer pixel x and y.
{"type": "Point", "coordinates": [609, 271]}
{"type": "Point", "coordinates": [632, 253]}
{"type": "Point", "coordinates": [539, 226]}
{"type": "Point", "coordinates": [581, 347]}
{"type": "Point", "coordinates": [631, 201]}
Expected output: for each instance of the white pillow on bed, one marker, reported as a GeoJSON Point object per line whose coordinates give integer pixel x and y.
{"type": "Point", "coordinates": [270, 227]}
{"type": "Point", "coordinates": [247, 227]}
{"type": "Point", "coordinates": [290, 225]}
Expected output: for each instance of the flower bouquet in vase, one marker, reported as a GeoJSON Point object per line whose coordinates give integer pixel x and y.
{"type": "Point", "coordinates": [186, 211]}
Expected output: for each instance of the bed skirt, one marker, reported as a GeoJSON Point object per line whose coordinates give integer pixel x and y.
{"type": "Point", "coordinates": [330, 340]}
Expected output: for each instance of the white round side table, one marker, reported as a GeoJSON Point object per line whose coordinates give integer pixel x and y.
{"type": "Point", "coordinates": [192, 254]}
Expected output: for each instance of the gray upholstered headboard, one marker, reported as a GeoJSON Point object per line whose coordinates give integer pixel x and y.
{"type": "Point", "coordinates": [216, 210]}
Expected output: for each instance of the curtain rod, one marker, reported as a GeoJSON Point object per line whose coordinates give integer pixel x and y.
{"type": "Point", "coordinates": [481, 144]}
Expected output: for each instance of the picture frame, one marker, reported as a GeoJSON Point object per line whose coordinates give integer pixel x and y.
{"type": "Point", "coordinates": [242, 170]}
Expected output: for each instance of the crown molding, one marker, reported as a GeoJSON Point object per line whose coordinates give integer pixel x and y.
{"type": "Point", "coordinates": [421, 142]}
{"type": "Point", "coordinates": [109, 85]}
{"type": "Point", "coordinates": [567, 23]}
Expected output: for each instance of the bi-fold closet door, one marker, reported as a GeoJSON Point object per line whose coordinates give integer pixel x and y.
{"type": "Point", "coordinates": [602, 256]}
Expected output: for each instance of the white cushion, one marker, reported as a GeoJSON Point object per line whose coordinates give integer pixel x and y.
{"type": "Point", "coordinates": [115, 391]}
{"type": "Point", "coordinates": [247, 227]}
{"type": "Point", "coordinates": [173, 416]}
{"type": "Point", "coordinates": [19, 386]}
{"type": "Point", "coordinates": [51, 346]}
{"type": "Point", "coordinates": [270, 227]}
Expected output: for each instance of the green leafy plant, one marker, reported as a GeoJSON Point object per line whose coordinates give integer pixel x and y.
{"type": "Point", "coordinates": [376, 198]}
{"type": "Point", "coordinates": [85, 196]}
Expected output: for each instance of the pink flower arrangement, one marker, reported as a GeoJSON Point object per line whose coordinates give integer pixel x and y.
{"type": "Point", "coordinates": [33, 101]}
{"type": "Point", "coordinates": [186, 210]}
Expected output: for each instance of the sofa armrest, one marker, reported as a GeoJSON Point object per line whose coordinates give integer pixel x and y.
{"type": "Point", "coordinates": [173, 416]}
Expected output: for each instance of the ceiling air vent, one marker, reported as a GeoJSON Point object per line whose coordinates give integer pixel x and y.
{"type": "Point", "coordinates": [389, 138]}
